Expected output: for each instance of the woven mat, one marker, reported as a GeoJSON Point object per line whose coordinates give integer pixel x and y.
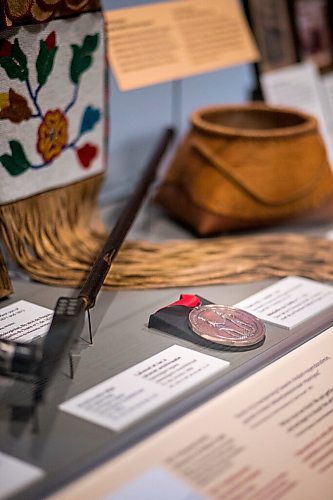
{"type": "Point", "coordinates": [56, 244]}
{"type": "Point", "coordinates": [221, 260]}
{"type": "Point", "coordinates": [182, 263]}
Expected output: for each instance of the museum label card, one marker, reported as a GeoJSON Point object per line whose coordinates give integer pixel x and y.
{"type": "Point", "coordinates": [132, 394]}
{"type": "Point", "coordinates": [166, 41]}
{"type": "Point", "coordinates": [300, 86]}
{"type": "Point", "coordinates": [16, 475]}
{"type": "Point", "coordinates": [269, 436]}
{"type": "Point", "coordinates": [156, 483]}
{"type": "Point", "coordinates": [290, 302]}
{"type": "Point", "coordinates": [23, 321]}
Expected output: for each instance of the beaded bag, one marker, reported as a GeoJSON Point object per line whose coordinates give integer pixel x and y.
{"type": "Point", "coordinates": [52, 133]}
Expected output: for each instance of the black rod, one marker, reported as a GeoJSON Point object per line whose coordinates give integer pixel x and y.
{"type": "Point", "coordinates": [69, 314]}
{"type": "Point", "coordinates": [104, 260]}
{"type": "Point", "coordinates": [41, 362]}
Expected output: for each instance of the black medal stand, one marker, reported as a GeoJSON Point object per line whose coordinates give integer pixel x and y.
{"type": "Point", "coordinates": [174, 320]}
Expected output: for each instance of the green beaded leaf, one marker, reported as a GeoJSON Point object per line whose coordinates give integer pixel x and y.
{"type": "Point", "coordinates": [82, 56]}
{"type": "Point", "coordinates": [44, 62]}
{"type": "Point", "coordinates": [17, 163]}
{"type": "Point", "coordinates": [15, 65]}
{"type": "Point", "coordinates": [90, 43]}
{"type": "Point", "coordinates": [91, 116]}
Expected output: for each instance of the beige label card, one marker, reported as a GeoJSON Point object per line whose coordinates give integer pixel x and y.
{"type": "Point", "coordinates": [268, 437]}
{"type": "Point", "coordinates": [161, 42]}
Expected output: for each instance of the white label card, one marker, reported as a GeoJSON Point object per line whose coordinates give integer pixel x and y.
{"type": "Point", "coordinates": [23, 321]}
{"type": "Point", "coordinates": [300, 86]}
{"type": "Point", "coordinates": [156, 483]}
{"type": "Point", "coordinates": [16, 474]}
{"type": "Point", "coordinates": [132, 394]}
{"type": "Point", "coordinates": [289, 302]}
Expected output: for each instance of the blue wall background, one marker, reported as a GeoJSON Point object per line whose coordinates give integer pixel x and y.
{"type": "Point", "coordinates": [138, 117]}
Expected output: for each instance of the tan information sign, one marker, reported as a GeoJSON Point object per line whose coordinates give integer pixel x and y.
{"type": "Point", "coordinates": [268, 437]}
{"type": "Point", "coordinates": [161, 42]}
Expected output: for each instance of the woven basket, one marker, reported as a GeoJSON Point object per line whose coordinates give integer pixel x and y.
{"type": "Point", "coordinates": [247, 166]}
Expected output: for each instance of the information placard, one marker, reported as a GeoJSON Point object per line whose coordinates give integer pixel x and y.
{"type": "Point", "coordinates": [270, 436]}
{"type": "Point", "coordinates": [291, 302]}
{"type": "Point", "coordinates": [16, 475]}
{"type": "Point", "coordinates": [23, 321]}
{"type": "Point", "coordinates": [132, 394]}
{"type": "Point", "coordinates": [160, 42]}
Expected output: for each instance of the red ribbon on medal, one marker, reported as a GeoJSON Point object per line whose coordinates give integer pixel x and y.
{"type": "Point", "coordinates": [186, 300]}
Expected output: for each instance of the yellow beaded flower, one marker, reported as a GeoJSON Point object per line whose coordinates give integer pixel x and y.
{"type": "Point", "coordinates": [53, 130]}
{"type": "Point", "coordinates": [52, 134]}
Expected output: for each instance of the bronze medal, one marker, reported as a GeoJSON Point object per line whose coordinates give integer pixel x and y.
{"type": "Point", "coordinates": [227, 325]}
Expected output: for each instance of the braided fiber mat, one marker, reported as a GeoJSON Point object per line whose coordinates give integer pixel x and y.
{"type": "Point", "coordinates": [221, 260]}
{"type": "Point", "coordinates": [56, 243]}
{"type": "Point", "coordinates": [144, 265]}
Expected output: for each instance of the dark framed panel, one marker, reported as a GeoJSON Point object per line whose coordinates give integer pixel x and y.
{"type": "Point", "coordinates": [313, 31]}
{"type": "Point", "coordinates": [290, 31]}
{"type": "Point", "coordinates": [272, 25]}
